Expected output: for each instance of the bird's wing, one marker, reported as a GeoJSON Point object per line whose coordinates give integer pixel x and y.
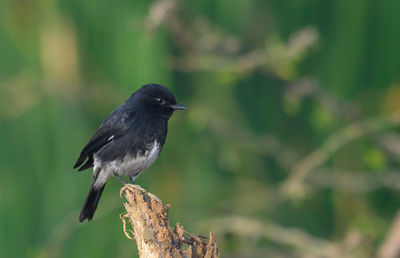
{"type": "Point", "coordinates": [113, 127]}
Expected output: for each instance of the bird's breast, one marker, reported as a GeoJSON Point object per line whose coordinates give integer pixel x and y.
{"type": "Point", "coordinates": [130, 164]}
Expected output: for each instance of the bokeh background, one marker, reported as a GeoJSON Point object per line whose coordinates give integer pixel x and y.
{"type": "Point", "coordinates": [290, 148]}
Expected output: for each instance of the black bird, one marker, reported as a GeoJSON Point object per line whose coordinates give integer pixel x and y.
{"type": "Point", "coordinates": [128, 141]}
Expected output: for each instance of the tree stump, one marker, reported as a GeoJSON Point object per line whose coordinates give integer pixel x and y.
{"type": "Point", "coordinates": [148, 218]}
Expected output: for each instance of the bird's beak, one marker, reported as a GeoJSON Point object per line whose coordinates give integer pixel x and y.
{"type": "Point", "coordinates": [178, 106]}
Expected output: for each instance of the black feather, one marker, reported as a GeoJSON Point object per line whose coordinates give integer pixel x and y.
{"type": "Point", "coordinates": [80, 160]}
{"type": "Point", "coordinates": [91, 202]}
{"type": "Point", "coordinates": [115, 125]}
{"type": "Point", "coordinates": [88, 164]}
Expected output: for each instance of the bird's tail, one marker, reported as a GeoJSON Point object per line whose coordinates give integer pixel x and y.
{"type": "Point", "coordinates": [92, 199]}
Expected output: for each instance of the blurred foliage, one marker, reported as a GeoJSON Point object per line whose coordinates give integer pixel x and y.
{"type": "Point", "coordinates": [290, 147]}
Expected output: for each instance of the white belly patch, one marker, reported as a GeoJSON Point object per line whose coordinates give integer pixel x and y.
{"type": "Point", "coordinates": [130, 166]}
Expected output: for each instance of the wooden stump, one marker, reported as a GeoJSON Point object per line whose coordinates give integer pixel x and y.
{"type": "Point", "coordinates": [148, 218]}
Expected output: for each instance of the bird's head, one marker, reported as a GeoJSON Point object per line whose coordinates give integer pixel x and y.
{"type": "Point", "coordinates": [157, 99]}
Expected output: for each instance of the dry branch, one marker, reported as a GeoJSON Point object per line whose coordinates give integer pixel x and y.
{"type": "Point", "coordinates": [148, 218]}
{"type": "Point", "coordinates": [294, 186]}
{"type": "Point", "coordinates": [391, 246]}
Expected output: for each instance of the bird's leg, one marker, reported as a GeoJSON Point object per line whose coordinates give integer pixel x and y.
{"type": "Point", "coordinates": [133, 178]}
{"type": "Point", "coordinates": [120, 179]}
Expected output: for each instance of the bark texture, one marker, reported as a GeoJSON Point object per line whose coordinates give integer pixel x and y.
{"type": "Point", "coordinates": [148, 218]}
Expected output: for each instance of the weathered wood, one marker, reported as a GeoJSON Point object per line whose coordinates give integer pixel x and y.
{"type": "Point", "coordinates": [148, 218]}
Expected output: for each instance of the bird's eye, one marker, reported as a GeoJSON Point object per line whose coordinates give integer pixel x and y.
{"type": "Point", "coordinates": [159, 100]}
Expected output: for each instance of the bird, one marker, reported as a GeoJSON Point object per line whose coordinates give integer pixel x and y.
{"type": "Point", "coordinates": [127, 142]}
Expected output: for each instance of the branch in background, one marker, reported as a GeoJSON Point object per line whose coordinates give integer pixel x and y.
{"type": "Point", "coordinates": [278, 58]}
{"type": "Point", "coordinates": [207, 48]}
{"type": "Point", "coordinates": [391, 143]}
{"type": "Point", "coordinates": [302, 242]}
{"type": "Point", "coordinates": [294, 185]}
{"type": "Point", "coordinates": [356, 181]}
{"type": "Point", "coordinates": [159, 12]}
{"type": "Point", "coordinates": [154, 236]}
{"type": "Point", "coordinates": [391, 246]}
{"type": "Point", "coordinates": [306, 87]}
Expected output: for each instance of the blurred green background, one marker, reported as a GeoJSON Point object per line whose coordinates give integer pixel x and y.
{"type": "Point", "coordinates": [290, 148]}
